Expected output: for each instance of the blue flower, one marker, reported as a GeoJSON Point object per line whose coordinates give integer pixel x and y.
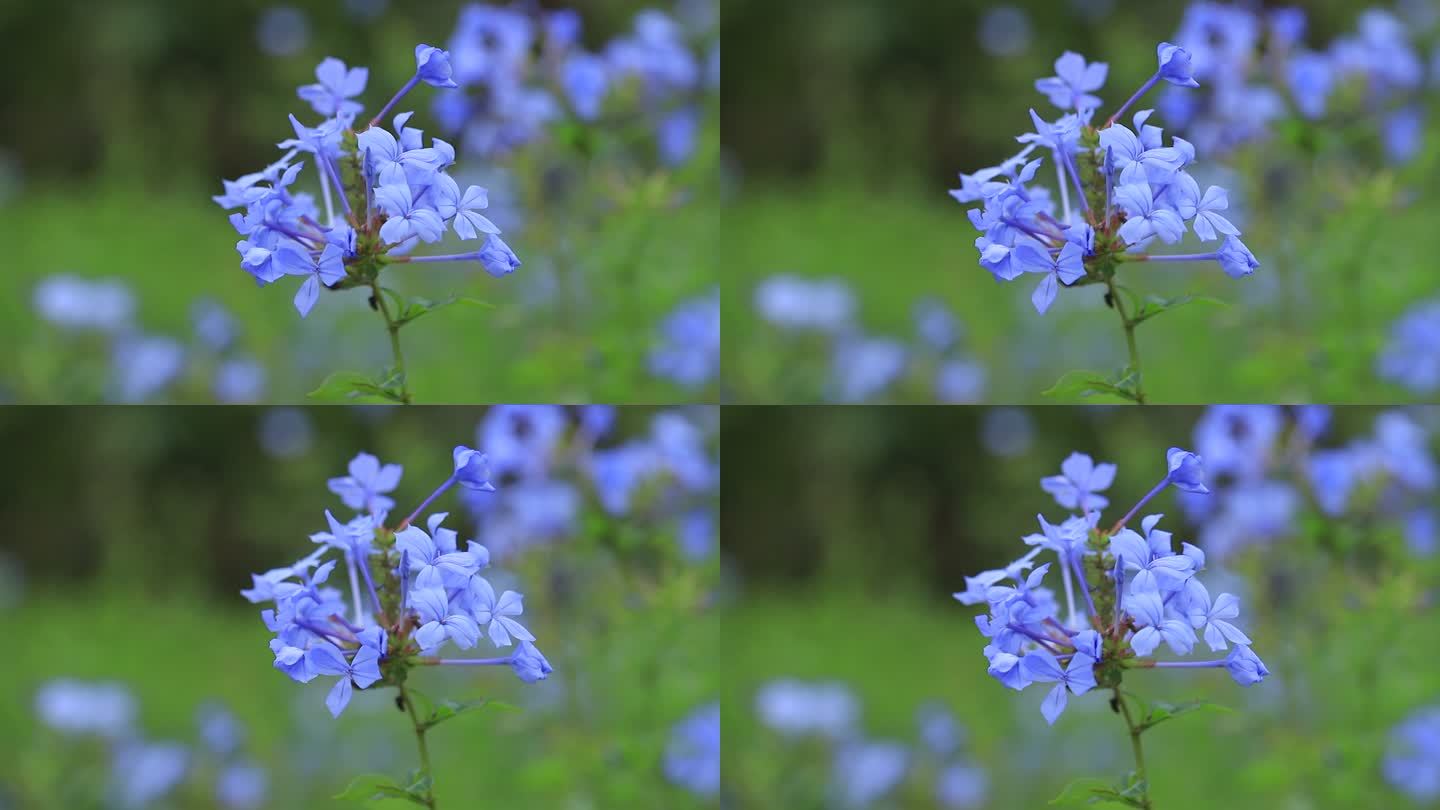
{"type": "Point", "coordinates": [1067, 267]}
{"type": "Point", "coordinates": [1175, 65]}
{"type": "Point", "coordinates": [1080, 478]}
{"type": "Point", "coordinates": [692, 756]}
{"type": "Point", "coordinates": [1186, 471]}
{"type": "Point", "coordinates": [690, 355]}
{"type": "Point", "coordinates": [1073, 82]}
{"type": "Point", "coordinates": [1245, 666]}
{"type": "Point", "coordinates": [1146, 216]}
{"type": "Point", "coordinates": [438, 621]}
{"type": "Point", "coordinates": [498, 613]}
{"type": "Point", "coordinates": [586, 79]}
{"type": "Point", "coordinates": [1411, 357]}
{"type": "Point", "coordinates": [365, 487]}
{"type": "Point", "coordinates": [337, 85]}
{"type": "Point", "coordinates": [1412, 756]}
{"type": "Point", "coordinates": [1214, 618]}
{"type": "Point", "coordinates": [363, 670]}
{"type": "Point", "coordinates": [408, 217]}
{"type": "Point", "coordinates": [1078, 677]}
{"type": "Point", "coordinates": [497, 257]}
{"type": "Point", "coordinates": [1150, 615]}
{"type": "Point", "coordinates": [1235, 259]}
{"type": "Point", "coordinates": [326, 269]}
{"type": "Point", "coordinates": [529, 664]}
{"type": "Point", "coordinates": [432, 66]}
{"type": "Point", "coordinates": [472, 469]}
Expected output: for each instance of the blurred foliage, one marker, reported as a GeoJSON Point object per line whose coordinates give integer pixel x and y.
{"type": "Point", "coordinates": [847, 529]}
{"type": "Point", "coordinates": [143, 524]}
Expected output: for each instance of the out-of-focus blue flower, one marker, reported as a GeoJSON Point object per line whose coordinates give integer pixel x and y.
{"type": "Point", "coordinates": [960, 382]}
{"type": "Point", "coordinates": [285, 432]}
{"type": "Point", "coordinates": [1422, 532]}
{"type": "Point", "coordinates": [143, 366]}
{"type": "Point", "coordinates": [793, 302]}
{"type": "Point", "coordinates": [220, 729]}
{"type": "Point", "coordinates": [242, 786]}
{"type": "Point", "coordinates": [1004, 31]}
{"type": "Point", "coordinates": [283, 31]}
{"type": "Point", "coordinates": [690, 353]}
{"type": "Point", "coordinates": [1412, 757]}
{"type": "Point", "coordinates": [586, 81]}
{"type": "Point", "coordinates": [69, 706]}
{"type": "Point", "coordinates": [865, 772]}
{"type": "Point", "coordinates": [940, 731]}
{"type": "Point", "coordinates": [962, 787]}
{"type": "Point", "coordinates": [213, 324]}
{"type": "Point", "coordinates": [520, 440]}
{"type": "Point", "coordinates": [72, 302]}
{"type": "Point", "coordinates": [692, 756]}
{"type": "Point", "coordinates": [144, 773]}
{"type": "Point", "coordinates": [1403, 133]}
{"type": "Point", "coordinates": [936, 324]}
{"type": "Point", "coordinates": [1007, 432]}
{"type": "Point", "coordinates": [1411, 358]}
{"type": "Point", "coordinates": [239, 381]}
{"type": "Point", "coordinates": [1238, 440]}
{"type": "Point", "coordinates": [799, 708]}
{"type": "Point", "coordinates": [697, 535]}
{"type": "Point", "coordinates": [863, 368]}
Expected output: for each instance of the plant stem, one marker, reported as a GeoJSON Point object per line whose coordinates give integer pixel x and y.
{"type": "Point", "coordinates": [424, 750]}
{"type": "Point", "coordinates": [1129, 326]}
{"type": "Point", "coordinates": [1136, 747]}
{"type": "Point", "coordinates": [394, 330]}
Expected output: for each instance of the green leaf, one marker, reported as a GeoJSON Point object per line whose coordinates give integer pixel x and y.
{"type": "Point", "coordinates": [1091, 791]}
{"type": "Point", "coordinates": [352, 386]}
{"type": "Point", "coordinates": [1160, 712]}
{"type": "Point", "coordinates": [1155, 305]}
{"type": "Point", "coordinates": [1080, 384]}
{"type": "Point", "coordinates": [406, 311]}
{"type": "Point", "coordinates": [451, 708]}
{"type": "Point", "coordinates": [375, 786]}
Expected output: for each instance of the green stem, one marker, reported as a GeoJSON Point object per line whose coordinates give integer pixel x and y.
{"type": "Point", "coordinates": [394, 330]}
{"type": "Point", "coordinates": [1129, 326]}
{"type": "Point", "coordinates": [424, 750]}
{"type": "Point", "coordinates": [1135, 732]}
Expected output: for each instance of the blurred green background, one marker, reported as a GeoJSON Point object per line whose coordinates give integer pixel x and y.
{"type": "Point", "coordinates": [133, 531]}
{"type": "Point", "coordinates": [124, 116]}
{"type": "Point", "coordinates": [845, 127]}
{"type": "Point", "coordinates": [846, 531]}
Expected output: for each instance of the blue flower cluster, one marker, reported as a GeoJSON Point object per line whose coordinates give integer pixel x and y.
{"type": "Point", "coordinates": [1130, 189]}
{"type": "Point", "coordinates": [1136, 592]}
{"type": "Point", "coordinates": [864, 771]}
{"type": "Point", "coordinates": [144, 366]}
{"type": "Point", "coordinates": [522, 72]}
{"type": "Point", "coordinates": [689, 354]}
{"type": "Point", "coordinates": [866, 367]}
{"type": "Point", "coordinates": [144, 773]}
{"type": "Point", "coordinates": [420, 591]}
{"type": "Point", "coordinates": [1412, 356]}
{"type": "Point", "coordinates": [1269, 463]}
{"type": "Point", "coordinates": [1412, 760]}
{"type": "Point", "coordinates": [393, 192]}
{"type": "Point", "coordinates": [692, 756]}
{"type": "Point", "coordinates": [1258, 72]}
{"type": "Point", "coordinates": [552, 466]}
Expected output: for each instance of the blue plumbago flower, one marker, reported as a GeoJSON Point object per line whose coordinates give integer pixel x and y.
{"type": "Point", "coordinates": [521, 74]}
{"type": "Point", "coordinates": [796, 303]}
{"type": "Point", "coordinates": [692, 756]}
{"type": "Point", "coordinates": [105, 709]}
{"type": "Point", "coordinates": [1411, 358]}
{"type": "Point", "coordinates": [1127, 187]}
{"type": "Point", "coordinates": [400, 193]}
{"type": "Point", "coordinates": [78, 304]}
{"type": "Point", "coordinates": [865, 771]}
{"type": "Point", "coordinates": [690, 354]}
{"type": "Point", "coordinates": [411, 592]}
{"type": "Point", "coordinates": [800, 708]}
{"type": "Point", "coordinates": [1412, 758]}
{"type": "Point", "coordinates": [1125, 594]}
